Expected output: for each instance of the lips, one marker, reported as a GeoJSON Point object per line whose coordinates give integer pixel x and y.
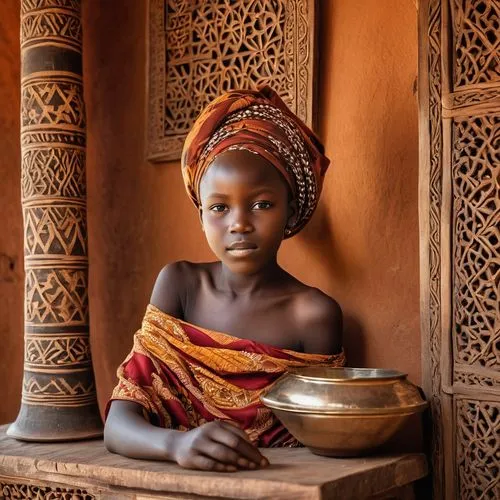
{"type": "Point", "coordinates": [242, 245]}
{"type": "Point", "coordinates": [241, 248]}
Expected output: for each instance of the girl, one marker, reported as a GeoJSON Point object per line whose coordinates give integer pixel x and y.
{"type": "Point", "coordinates": [188, 392]}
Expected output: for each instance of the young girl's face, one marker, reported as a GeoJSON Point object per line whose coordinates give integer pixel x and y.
{"type": "Point", "coordinates": [244, 210]}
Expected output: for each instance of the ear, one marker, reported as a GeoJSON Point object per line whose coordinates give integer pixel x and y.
{"type": "Point", "coordinates": [292, 213]}
{"type": "Point", "coordinates": [200, 215]}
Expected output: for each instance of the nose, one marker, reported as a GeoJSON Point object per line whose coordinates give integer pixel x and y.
{"type": "Point", "coordinates": [240, 223]}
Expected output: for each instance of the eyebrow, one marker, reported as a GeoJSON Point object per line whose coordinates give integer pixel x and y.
{"type": "Point", "coordinates": [253, 193]}
{"type": "Point", "coordinates": [217, 195]}
{"type": "Point", "coordinates": [266, 190]}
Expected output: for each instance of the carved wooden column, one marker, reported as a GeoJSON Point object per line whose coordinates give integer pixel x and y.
{"type": "Point", "coordinates": [59, 398]}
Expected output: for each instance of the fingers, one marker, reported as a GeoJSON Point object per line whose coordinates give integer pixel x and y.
{"type": "Point", "coordinates": [202, 462]}
{"type": "Point", "coordinates": [217, 446]}
{"type": "Point", "coordinates": [238, 441]}
{"type": "Point", "coordinates": [224, 454]}
{"type": "Point", "coordinates": [233, 427]}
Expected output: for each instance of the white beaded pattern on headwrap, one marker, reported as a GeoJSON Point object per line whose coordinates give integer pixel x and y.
{"type": "Point", "coordinates": [297, 158]}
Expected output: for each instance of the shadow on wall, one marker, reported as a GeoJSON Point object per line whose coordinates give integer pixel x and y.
{"type": "Point", "coordinates": [319, 237]}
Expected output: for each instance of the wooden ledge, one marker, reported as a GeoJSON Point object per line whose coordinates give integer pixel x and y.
{"type": "Point", "coordinates": [87, 470]}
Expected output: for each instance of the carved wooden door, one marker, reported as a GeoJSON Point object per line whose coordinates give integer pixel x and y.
{"type": "Point", "coordinates": [459, 93]}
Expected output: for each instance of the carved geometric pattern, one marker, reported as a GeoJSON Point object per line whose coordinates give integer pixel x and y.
{"type": "Point", "coordinates": [478, 445]}
{"type": "Point", "coordinates": [62, 350]}
{"type": "Point", "coordinates": [51, 21]}
{"type": "Point", "coordinates": [59, 397]}
{"type": "Point", "coordinates": [57, 387]}
{"type": "Point", "coordinates": [55, 229]}
{"type": "Point", "coordinates": [476, 379]}
{"type": "Point", "coordinates": [53, 171]}
{"type": "Point", "coordinates": [56, 297]}
{"type": "Point", "coordinates": [31, 491]}
{"type": "Point", "coordinates": [477, 41]}
{"type": "Point", "coordinates": [458, 453]}
{"type": "Point", "coordinates": [435, 203]}
{"type": "Point", "coordinates": [40, 137]}
{"type": "Point", "coordinates": [202, 49]}
{"type": "Point", "coordinates": [476, 210]}
{"type": "Point", "coordinates": [58, 391]}
{"type": "Point", "coordinates": [29, 5]}
{"type": "Point", "coordinates": [55, 102]}
{"type": "Point", "coordinates": [475, 97]}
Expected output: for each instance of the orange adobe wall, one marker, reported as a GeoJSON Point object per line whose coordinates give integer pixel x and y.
{"type": "Point", "coordinates": [11, 222]}
{"type": "Point", "coordinates": [361, 247]}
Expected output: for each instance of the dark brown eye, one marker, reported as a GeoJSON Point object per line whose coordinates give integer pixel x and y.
{"type": "Point", "coordinates": [262, 205]}
{"type": "Point", "coordinates": [220, 207]}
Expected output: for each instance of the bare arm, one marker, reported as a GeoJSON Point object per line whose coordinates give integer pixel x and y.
{"type": "Point", "coordinates": [320, 318]}
{"type": "Point", "coordinates": [128, 433]}
{"type": "Point", "coordinates": [217, 445]}
{"type": "Point", "coordinates": [169, 291]}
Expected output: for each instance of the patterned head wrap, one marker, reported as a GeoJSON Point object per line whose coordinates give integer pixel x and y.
{"type": "Point", "coordinates": [260, 122]}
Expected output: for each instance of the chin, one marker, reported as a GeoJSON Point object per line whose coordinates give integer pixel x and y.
{"type": "Point", "coordinates": [243, 268]}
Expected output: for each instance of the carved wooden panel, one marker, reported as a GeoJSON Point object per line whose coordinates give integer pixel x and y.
{"type": "Point", "coordinates": [476, 213]}
{"type": "Point", "coordinates": [198, 50]}
{"type": "Point", "coordinates": [38, 492]}
{"type": "Point", "coordinates": [478, 459]}
{"type": "Point", "coordinates": [432, 138]}
{"type": "Point", "coordinates": [476, 25]}
{"type": "Point", "coordinates": [460, 227]}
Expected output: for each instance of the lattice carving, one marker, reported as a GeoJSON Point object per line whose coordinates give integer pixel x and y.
{"type": "Point", "coordinates": [56, 297]}
{"type": "Point", "coordinates": [476, 207]}
{"type": "Point", "coordinates": [477, 41]}
{"type": "Point", "coordinates": [200, 49]}
{"type": "Point", "coordinates": [469, 379]}
{"type": "Point", "coordinates": [476, 97]}
{"type": "Point", "coordinates": [463, 214]}
{"type": "Point", "coordinates": [31, 491]}
{"type": "Point", "coordinates": [63, 350]}
{"type": "Point", "coordinates": [55, 171]}
{"type": "Point", "coordinates": [478, 442]}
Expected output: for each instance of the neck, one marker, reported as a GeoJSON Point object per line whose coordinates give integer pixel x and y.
{"type": "Point", "coordinates": [249, 284]}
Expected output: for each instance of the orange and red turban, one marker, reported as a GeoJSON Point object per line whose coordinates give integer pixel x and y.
{"type": "Point", "coordinates": [260, 122]}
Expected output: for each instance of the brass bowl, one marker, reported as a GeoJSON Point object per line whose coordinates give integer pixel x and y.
{"type": "Point", "coordinates": [343, 412]}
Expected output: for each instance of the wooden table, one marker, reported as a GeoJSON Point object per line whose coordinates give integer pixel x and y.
{"type": "Point", "coordinates": [86, 470]}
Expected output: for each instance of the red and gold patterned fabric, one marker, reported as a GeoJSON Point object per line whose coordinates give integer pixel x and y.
{"type": "Point", "coordinates": [184, 376]}
{"type": "Point", "coordinates": [260, 122]}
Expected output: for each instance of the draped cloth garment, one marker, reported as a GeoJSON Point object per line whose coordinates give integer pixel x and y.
{"type": "Point", "coordinates": [184, 376]}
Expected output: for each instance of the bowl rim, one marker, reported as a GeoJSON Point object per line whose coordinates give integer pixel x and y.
{"type": "Point", "coordinates": [382, 374]}
{"type": "Point", "coordinates": [402, 410]}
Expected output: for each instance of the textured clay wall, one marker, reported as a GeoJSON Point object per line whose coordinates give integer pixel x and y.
{"type": "Point", "coordinates": [362, 245]}
{"type": "Point", "coordinates": [11, 236]}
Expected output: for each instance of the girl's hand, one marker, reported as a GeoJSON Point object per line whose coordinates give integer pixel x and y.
{"type": "Point", "coordinates": [218, 446]}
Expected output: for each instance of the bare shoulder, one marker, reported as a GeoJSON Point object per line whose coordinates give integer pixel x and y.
{"type": "Point", "coordinates": [319, 318]}
{"type": "Point", "coordinates": [172, 285]}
